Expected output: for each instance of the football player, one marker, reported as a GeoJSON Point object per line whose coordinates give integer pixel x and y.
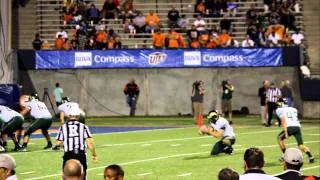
{"type": "Point", "coordinates": [220, 128]}
{"type": "Point", "coordinates": [291, 127]}
{"type": "Point", "coordinates": [40, 119]}
{"type": "Point", "coordinates": [65, 108]}
{"type": "Point", "coordinates": [10, 121]}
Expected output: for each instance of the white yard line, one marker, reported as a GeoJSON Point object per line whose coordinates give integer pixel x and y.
{"type": "Point", "coordinates": [175, 145]}
{"type": "Point", "coordinates": [308, 168]}
{"type": "Point", "coordinates": [144, 145]}
{"type": "Point", "coordinates": [29, 172]}
{"type": "Point", "coordinates": [144, 174]}
{"type": "Point", "coordinates": [165, 157]}
{"type": "Point", "coordinates": [313, 134]}
{"type": "Point", "coordinates": [184, 174]}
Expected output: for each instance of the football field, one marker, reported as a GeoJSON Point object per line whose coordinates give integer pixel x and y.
{"type": "Point", "coordinates": [175, 151]}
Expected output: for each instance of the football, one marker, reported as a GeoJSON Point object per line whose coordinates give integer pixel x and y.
{"type": "Point", "coordinates": [203, 130]}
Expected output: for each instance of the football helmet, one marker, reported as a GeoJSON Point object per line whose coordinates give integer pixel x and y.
{"type": "Point", "coordinates": [282, 102]}
{"type": "Point", "coordinates": [65, 99]}
{"type": "Point", "coordinates": [213, 116]}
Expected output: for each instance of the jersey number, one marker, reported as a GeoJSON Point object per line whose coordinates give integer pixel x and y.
{"type": "Point", "coordinates": [293, 116]}
{"type": "Point", "coordinates": [73, 131]}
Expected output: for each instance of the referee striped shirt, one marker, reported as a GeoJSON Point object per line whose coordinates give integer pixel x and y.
{"type": "Point", "coordinates": [273, 94]}
{"type": "Point", "coordinates": [74, 135]}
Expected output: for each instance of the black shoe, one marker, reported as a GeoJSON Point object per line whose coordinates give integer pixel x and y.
{"type": "Point", "coordinates": [229, 151]}
{"type": "Point", "coordinates": [311, 159]}
{"type": "Point", "coordinates": [23, 149]}
{"type": "Point", "coordinates": [16, 148]}
{"type": "Point", "coordinates": [56, 148]}
{"type": "Point", "coordinates": [230, 122]}
{"type": "Point", "coordinates": [48, 146]}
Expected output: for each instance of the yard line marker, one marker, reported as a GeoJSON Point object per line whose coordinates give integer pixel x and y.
{"type": "Point", "coordinates": [308, 168]}
{"type": "Point", "coordinates": [206, 145]}
{"type": "Point", "coordinates": [185, 174]}
{"type": "Point", "coordinates": [175, 145]}
{"type": "Point", "coordinates": [144, 145]}
{"type": "Point", "coordinates": [167, 157]}
{"type": "Point", "coordinates": [313, 134]}
{"type": "Point", "coordinates": [100, 174]}
{"type": "Point", "coordinates": [24, 173]}
{"type": "Point", "coordinates": [144, 174]}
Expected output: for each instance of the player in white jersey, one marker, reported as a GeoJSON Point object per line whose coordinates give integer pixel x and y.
{"type": "Point", "coordinates": [65, 108]}
{"type": "Point", "coordinates": [220, 128]}
{"type": "Point", "coordinates": [291, 127]}
{"type": "Point", "coordinates": [41, 119]}
{"type": "Point", "coordinates": [10, 121]}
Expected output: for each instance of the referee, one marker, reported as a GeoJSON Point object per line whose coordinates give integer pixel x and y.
{"type": "Point", "coordinates": [75, 137]}
{"type": "Point", "coordinates": [273, 94]}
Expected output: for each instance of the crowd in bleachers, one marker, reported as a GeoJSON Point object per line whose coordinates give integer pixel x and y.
{"type": "Point", "coordinates": [268, 26]}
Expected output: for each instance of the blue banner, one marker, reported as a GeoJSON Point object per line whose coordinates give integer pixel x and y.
{"type": "Point", "coordinates": [136, 58]}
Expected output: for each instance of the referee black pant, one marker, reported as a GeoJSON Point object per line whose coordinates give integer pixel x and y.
{"type": "Point", "coordinates": [81, 156]}
{"type": "Point", "coordinates": [272, 106]}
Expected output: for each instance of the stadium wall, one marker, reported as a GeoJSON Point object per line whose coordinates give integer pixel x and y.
{"type": "Point", "coordinates": [163, 91]}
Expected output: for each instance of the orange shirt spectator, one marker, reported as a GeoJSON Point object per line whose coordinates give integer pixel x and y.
{"type": "Point", "coordinates": [287, 39]}
{"type": "Point", "coordinates": [67, 17]}
{"type": "Point", "coordinates": [45, 45]}
{"type": "Point", "coordinates": [111, 43]}
{"type": "Point", "coordinates": [58, 43]}
{"type": "Point", "coordinates": [152, 19]}
{"type": "Point", "coordinates": [203, 39]}
{"type": "Point", "coordinates": [213, 42]}
{"type": "Point", "coordinates": [101, 37]}
{"type": "Point", "coordinates": [175, 40]}
{"type": "Point", "coordinates": [278, 29]}
{"type": "Point", "coordinates": [158, 40]}
{"type": "Point", "coordinates": [224, 38]}
{"type": "Point", "coordinates": [201, 7]}
{"type": "Point", "coordinates": [194, 44]}
{"type": "Point", "coordinates": [67, 45]}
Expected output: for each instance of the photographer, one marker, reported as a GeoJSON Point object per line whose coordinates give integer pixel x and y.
{"type": "Point", "coordinates": [226, 103]}
{"type": "Point", "coordinates": [197, 99]}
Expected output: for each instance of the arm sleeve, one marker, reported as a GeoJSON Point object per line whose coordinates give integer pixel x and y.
{"type": "Point", "coordinates": [87, 133]}
{"type": "Point", "coordinates": [60, 135]}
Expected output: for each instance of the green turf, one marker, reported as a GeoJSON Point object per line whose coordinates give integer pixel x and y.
{"type": "Point", "coordinates": [166, 154]}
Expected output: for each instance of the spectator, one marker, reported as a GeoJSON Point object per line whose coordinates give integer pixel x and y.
{"type": "Point", "coordinates": [113, 172]}
{"type": "Point", "coordinates": [278, 29]}
{"type": "Point", "coordinates": [128, 27]}
{"type": "Point", "coordinates": [253, 33]}
{"type": "Point", "coordinates": [233, 43]}
{"type": "Point", "coordinates": [81, 38]}
{"type": "Point", "coordinates": [67, 17]}
{"type": "Point", "coordinates": [286, 92]}
{"type": "Point", "coordinates": [57, 93]}
{"type": "Point", "coordinates": [262, 93]}
{"type": "Point", "coordinates": [62, 32]}
{"type": "Point", "coordinates": [194, 44]}
{"type": "Point", "coordinates": [247, 42]}
{"type": "Point", "coordinates": [127, 6]}
{"type": "Point", "coordinates": [293, 161]}
{"type": "Point", "coordinates": [73, 169]}
{"type": "Point", "coordinates": [111, 42]}
{"type": "Point", "coordinates": [101, 39]}
{"type": "Point", "coordinates": [224, 38]}
{"type": "Point", "coordinates": [173, 17]}
{"type": "Point", "coordinates": [174, 40]}
{"type": "Point", "coordinates": [45, 45]}
{"type": "Point", "coordinates": [287, 40]}
{"type": "Point", "coordinates": [37, 42]}
{"type": "Point", "coordinates": [67, 45]}
{"type": "Point", "coordinates": [126, 16]}
{"type": "Point", "coordinates": [225, 23]}
{"type": "Point", "coordinates": [253, 164]}
{"type": "Point", "coordinates": [232, 8]}
{"type": "Point", "coordinates": [91, 43]}
{"type": "Point", "coordinates": [93, 14]}
{"type": "Point", "coordinates": [117, 43]}
{"type": "Point", "coordinates": [74, 42]}
{"type": "Point", "coordinates": [131, 90]}
{"type": "Point", "coordinates": [200, 24]}
{"type": "Point", "coordinates": [287, 17]}
{"type": "Point", "coordinates": [111, 33]}
{"type": "Point", "coordinates": [213, 41]}
{"type": "Point", "coordinates": [58, 43]}
{"type": "Point", "coordinates": [139, 22]}
{"type": "Point", "coordinates": [228, 174]}
{"type": "Point", "coordinates": [297, 37]}
{"type": "Point", "coordinates": [158, 39]}
{"type": "Point", "coordinates": [152, 22]}
{"type": "Point", "coordinates": [252, 15]}
{"type": "Point", "coordinates": [192, 33]}
{"type": "Point", "coordinates": [109, 10]}
{"type": "Point", "coordinates": [183, 23]}
{"type": "Point", "coordinates": [7, 166]}
{"type": "Point", "coordinates": [273, 39]}
{"type": "Point", "coordinates": [203, 39]}
{"type": "Point", "coordinates": [262, 38]}
{"type": "Point", "coordinates": [200, 7]}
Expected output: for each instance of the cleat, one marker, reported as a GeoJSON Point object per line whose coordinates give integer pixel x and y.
{"type": "Point", "coordinates": [229, 151]}
{"type": "Point", "coordinates": [2, 149]}
{"type": "Point", "coordinates": [311, 159]}
{"type": "Point", "coordinates": [49, 146]}
{"type": "Point", "coordinates": [23, 149]}
{"type": "Point", "coordinates": [16, 148]}
{"type": "Point", "coordinates": [56, 148]}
